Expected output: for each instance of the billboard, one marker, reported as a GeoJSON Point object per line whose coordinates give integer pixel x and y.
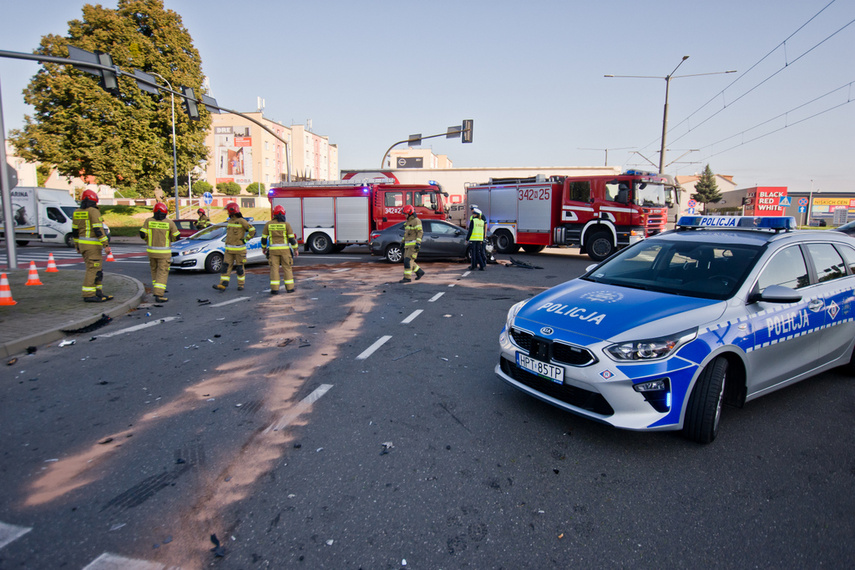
{"type": "Point", "coordinates": [233, 154]}
{"type": "Point", "coordinates": [766, 201]}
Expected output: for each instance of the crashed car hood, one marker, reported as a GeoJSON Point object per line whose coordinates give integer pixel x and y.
{"type": "Point", "coordinates": [586, 310]}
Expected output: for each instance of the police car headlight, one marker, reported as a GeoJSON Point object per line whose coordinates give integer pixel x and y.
{"type": "Point", "coordinates": [651, 349]}
{"type": "Point", "coordinates": [512, 314]}
{"type": "Point", "coordinates": [191, 251]}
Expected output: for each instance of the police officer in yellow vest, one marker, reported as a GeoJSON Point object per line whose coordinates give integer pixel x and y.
{"type": "Point", "coordinates": [475, 237]}
{"type": "Point", "coordinates": [412, 243]}
{"type": "Point", "coordinates": [159, 233]}
{"type": "Point", "coordinates": [203, 221]}
{"type": "Point", "coordinates": [238, 232]}
{"type": "Point", "coordinates": [89, 239]}
{"type": "Point", "coordinates": [279, 244]}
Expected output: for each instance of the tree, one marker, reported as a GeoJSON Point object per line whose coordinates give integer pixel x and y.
{"type": "Point", "coordinates": [228, 188]}
{"type": "Point", "coordinates": [706, 190]}
{"type": "Point", "coordinates": [123, 141]}
{"type": "Point", "coordinates": [201, 187]}
{"type": "Point", "coordinates": [253, 188]}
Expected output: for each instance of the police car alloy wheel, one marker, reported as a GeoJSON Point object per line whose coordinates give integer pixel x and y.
{"type": "Point", "coordinates": [721, 310]}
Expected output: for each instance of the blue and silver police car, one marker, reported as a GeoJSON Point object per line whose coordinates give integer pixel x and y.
{"type": "Point", "coordinates": [659, 336]}
{"type": "Point", "coordinates": [205, 250]}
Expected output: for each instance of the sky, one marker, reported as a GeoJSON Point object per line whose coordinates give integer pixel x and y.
{"type": "Point", "coordinates": [368, 73]}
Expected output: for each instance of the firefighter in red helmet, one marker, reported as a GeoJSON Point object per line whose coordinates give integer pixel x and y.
{"type": "Point", "coordinates": [203, 221]}
{"type": "Point", "coordinates": [279, 244]}
{"type": "Point", "coordinates": [238, 232]}
{"type": "Point", "coordinates": [90, 239]}
{"type": "Point", "coordinates": [412, 243]}
{"type": "Point", "coordinates": [159, 232]}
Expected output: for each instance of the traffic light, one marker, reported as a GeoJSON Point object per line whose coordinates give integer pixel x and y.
{"type": "Point", "coordinates": [467, 130]}
{"type": "Point", "coordinates": [190, 100]}
{"type": "Point", "coordinates": [109, 80]}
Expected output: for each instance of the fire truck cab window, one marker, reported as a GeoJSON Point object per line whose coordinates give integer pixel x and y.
{"type": "Point", "coordinates": [611, 191]}
{"type": "Point", "coordinates": [580, 191]}
{"type": "Point", "coordinates": [394, 199]}
{"type": "Point", "coordinates": [425, 200]}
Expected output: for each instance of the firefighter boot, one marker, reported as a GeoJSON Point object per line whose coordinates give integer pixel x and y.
{"type": "Point", "coordinates": [219, 287]}
{"type": "Point", "coordinates": [160, 299]}
{"type": "Point", "coordinates": [274, 291]}
{"type": "Point", "coordinates": [419, 273]}
{"type": "Point", "coordinates": [405, 280]}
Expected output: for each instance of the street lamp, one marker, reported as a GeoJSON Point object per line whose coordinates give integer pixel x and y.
{"type": "Point", "coordinates": [667, 79]}
{"type": "Point", "coordinates": [174, 152]}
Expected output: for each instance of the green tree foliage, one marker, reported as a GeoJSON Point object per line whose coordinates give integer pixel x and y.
{"type": "Point", "coordinates": [706, 190]}
{"type": "Point", "coordinates": [125, 141]}
{"type": "Point", "coordinates": [228, 188]}
{"type": "Point", "coordinates": [253, 188]}
{"type": "Point", "coordinates": [201, 187]}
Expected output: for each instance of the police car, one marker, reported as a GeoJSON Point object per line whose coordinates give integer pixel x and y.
{"type": "Point", "coordinates": [719, 310]}
{"type": "Point", "coordinates": [205, 250]}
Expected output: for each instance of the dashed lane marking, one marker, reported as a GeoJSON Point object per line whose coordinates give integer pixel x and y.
{"type": "Point", "coordinates": [109, 561]}
{"type": "Point", "coordinates": [412, 317]}
{"type": "Point", "coordinates": [230, 301]}
{"type": "Point", "coordinates": [138, 327]}
{"type": "Point", "coordinates": [10, 532]}
{"type": "Point", "coordinates": [301, 407]}
{"type": "Point", "coordinates": [371, 349]}
{"type": "Point", "coordinates": [435, 297]}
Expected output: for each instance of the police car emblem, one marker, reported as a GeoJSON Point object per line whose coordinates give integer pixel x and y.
{"type": "Point", "coordinates": [603, 296]}
{"type": "Point", "coordinates": [546, 331]}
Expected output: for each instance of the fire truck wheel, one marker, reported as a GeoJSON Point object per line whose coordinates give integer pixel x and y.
{"type": "Point", "coordinates": [533, 248]}
{"type": "Point", "coordinates": [394, 253]}
{"type": "Point", "coordinates": [320, 243]}
{"type": "Point", "coordinates": [505, 242]}
{"type": "Point", "coordinates": [599, 246]}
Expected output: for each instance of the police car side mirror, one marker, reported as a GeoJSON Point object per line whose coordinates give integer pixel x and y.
{"type": "Point", "coordinates": [776, 294]}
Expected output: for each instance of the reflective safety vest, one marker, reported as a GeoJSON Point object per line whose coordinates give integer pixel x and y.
{"type": "Point", "coordinates": [477, 230]}
{"type": "Point", "coordinates": [278, 235]}
{"type": "Point", "coordinates": [89, 228]}
{"type": "Point", "coordinates": [238, 232]}
{"type": "Point", "coordinates": [412, 231]}
{"type": "Point", "coordinates": [203, 222]}
{"type": "Point", "coordinates": [158, 236]}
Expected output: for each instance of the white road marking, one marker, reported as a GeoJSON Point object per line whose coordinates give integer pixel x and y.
{"type": "Point", "coordinates": [230, 301]}
{"type": "Point", "coordinates": [10, 532]}
{"type": "Point", "coordinates": [412, 317]}
{"type": "Point", "coordinates": [109, 561]}
{"type": "Point", "coordinates": [451, 284]}
{"type": "Point", "coordinates": [435, 297]}
{"type": "Point", "coordinates": [465, 273]}
{"type": "Point", "coordinates": [301, 407]}
{"type": "Point", "coordinates": [370, 350]}
{"type": "Point", "coordinates": [138, 327]}
{"type": "Point", "coordinates": [341, 270]}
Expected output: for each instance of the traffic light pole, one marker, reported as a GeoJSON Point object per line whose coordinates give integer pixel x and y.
{"type": "Point", "coordinates": [452, 132]}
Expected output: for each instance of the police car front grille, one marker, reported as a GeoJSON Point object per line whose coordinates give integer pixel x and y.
{"type": "Point", "coordinates": [560, 352]}
{"type": "Point", "coordinates": [578, 397]}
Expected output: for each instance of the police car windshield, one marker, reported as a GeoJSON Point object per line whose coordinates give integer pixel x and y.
{"type": "Point", "coordinates": [210, 233]}
{"type": "Point", "coordinates": [691, 268]}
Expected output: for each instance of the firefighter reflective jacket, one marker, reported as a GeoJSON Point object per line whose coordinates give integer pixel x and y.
{"type": "Point", "coordinates": [88, 228]}
{"type": "Point", "coordinates": [158, 236]}
{"type": "Point", "coordinates": [412, 231]}
{"type": "Point", "coordinates": [278, 235]}
{"type": "Point", "coordinates": [238, 232]}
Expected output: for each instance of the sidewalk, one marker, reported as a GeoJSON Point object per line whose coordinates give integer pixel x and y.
{"type": "Point", "coordinates": [42, 312]}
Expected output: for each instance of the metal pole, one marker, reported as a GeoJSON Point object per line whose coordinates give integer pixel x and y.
{"type": "Point", "coordinates": [11, 253]}
{"type": "Point", "coordinates": [174, 151]}
{"type": "Point", "coordinates": [665, 116]}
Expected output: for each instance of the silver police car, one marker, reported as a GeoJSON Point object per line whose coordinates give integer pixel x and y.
{"type": "Point", "coordinates": [660, 335]}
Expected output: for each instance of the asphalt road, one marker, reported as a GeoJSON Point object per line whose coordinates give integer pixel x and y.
{"type": "Point", "coordinates": [358, 424]}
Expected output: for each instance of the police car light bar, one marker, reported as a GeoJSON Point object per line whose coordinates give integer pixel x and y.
{"type": "Point", "coordinates": [739, 222]}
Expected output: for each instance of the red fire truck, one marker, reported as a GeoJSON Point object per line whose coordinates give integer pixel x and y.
{"type": "Point", "coordinates": [328, 216]}
{"type": "Point", "coordinates": [599, 214]}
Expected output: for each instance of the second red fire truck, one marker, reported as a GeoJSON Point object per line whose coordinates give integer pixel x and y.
{"type": "Point", "coordinates": [599, 214]}
{"type": "Point", "coordinates": [328, 216]}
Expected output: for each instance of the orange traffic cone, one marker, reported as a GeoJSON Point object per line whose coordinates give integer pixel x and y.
{"type": "Point", "coordinates": [51, 265]}
{"type": "Point", "coordinates": [33, 277]}
{"type": "Point", "coordinates": [5, 292]}
{"type": "Point", "coordinates": [110, 256]}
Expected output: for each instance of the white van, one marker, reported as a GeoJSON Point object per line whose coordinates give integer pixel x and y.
{"type": "Point", "coordinates": [42, 214]}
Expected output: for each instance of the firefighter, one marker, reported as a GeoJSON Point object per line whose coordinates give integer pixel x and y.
{"type": "Point", "coordinates": [90, 239]}
{"type": "Point", "coordinates": [279, 244]}
{"type": "Point", "coordinates": [412, 243]}
{"type": "Point", "coordinates": [159, 232]}
{"type": "Point", "coordinates": [238, 232]}
{"type": "Point", "coordinates": [475, 237]}
{"type": "Point", "coordinates": [203, 221]}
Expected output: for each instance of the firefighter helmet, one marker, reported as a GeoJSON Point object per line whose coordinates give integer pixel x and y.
{"type": "Point", "coordinates": [161, 207]}
{"type": "Point", "coordinates": [201, 211]}
{"type": "Point", "coordinates": [408, 210]}
{"type": "Point", "coordinates": [89, 195]}
{"type": "Point", "coordinates": [279, 210]}
{"type": "Point", "coordinates": [232, 208]}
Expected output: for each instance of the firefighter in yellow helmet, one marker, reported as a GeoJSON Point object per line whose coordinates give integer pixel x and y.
{"type": "Point", "coordinates": [203, 221]}
{"type": "Point", "coordinates": [412, 243]}
{"type": "Point", "coordinates": [90, 239]}
{"type": "Point", "coordinates": [279, 244]}
{"type": "Point", "coordinates": [238, 232]}
{"type": "Point", "coordinates": [159, 232]}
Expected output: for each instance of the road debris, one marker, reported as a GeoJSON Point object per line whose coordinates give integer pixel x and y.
{"type": "Point", "coordinates": [67, 342]}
